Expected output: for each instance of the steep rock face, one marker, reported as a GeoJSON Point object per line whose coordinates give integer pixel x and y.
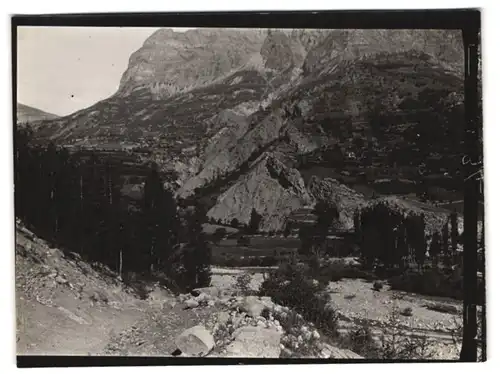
{"type": "Point", "coordinates": [170, 62]}
{"type": "Point", "coordinates": [228, 126]}
{"type": "Point", "coordinates": [270, 187]}
{"type": "Point", "coordinates": [246, 149]}
{"type": "Point", "coordinates": [277, 51]}
{"type": "Point", "coordinates": [443, 45]}
{"type": "Point", "coordinates": [346, 199]}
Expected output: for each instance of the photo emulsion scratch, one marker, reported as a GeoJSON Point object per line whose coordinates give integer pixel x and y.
{"type": "Point", "coordinates": [244, 193]}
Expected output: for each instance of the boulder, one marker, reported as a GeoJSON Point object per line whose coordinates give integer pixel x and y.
{"type": "Point", "coordinates": [195, 342]}
{"type": "Point", "coordinates": [252, 306]}
{"type": "Point", "coordinates": [191, 303]}
{"type": "Point", "coordinates": [250, 341]}
{"type": "Point", "coordinates": [212, 291]}
{"type": "Point", "coordinates": [202, 297]}
{"type": "Point", "coordinates": [266, 300]}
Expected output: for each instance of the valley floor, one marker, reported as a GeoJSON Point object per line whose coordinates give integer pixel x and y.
{"type": "Point", "coordinates": [66, 307]}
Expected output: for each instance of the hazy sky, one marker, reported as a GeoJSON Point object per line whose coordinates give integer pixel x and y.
{"type": "Point", "coordinates": [63, 69]}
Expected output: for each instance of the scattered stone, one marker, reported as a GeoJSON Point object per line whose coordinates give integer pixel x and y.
{"type": "Point", "coordinates": [195, 293]}
{"type": "Point", "coordinates": [223, 317]}
{"type": "Point", "coordinates": [202, 297]}
{"type": "Point", "coordinates": [266, 300]}
{"type": "Point", "coordinates": [252, 306]}
{"type": "Point", "coordinates": [211, 291]}
{"type": "Point", "coordinates": [250, 341]}
{"type": "Point", "coordinates": [211, 303]}
{"type": "Point", "coordinates": [377, 286]}
{"type": "Point", "coordinates": [285, 352]}
{"type": "Point", "coordinates": [195, 342]}
{"type": "Point", "coordinates": [61, 280]}
{"type": "Point", "coordinates": [177, 352]}
{"type": "Point", "coordinates": [191, 303]}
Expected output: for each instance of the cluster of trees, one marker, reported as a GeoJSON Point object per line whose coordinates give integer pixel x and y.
{"type": "Point", "coordinates": [391, 238]}
{"type": "Point", "coordinates": [313, 238]}
{"type": "Point", "coordinates": [76, 204]}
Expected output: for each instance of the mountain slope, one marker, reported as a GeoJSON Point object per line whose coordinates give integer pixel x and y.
{"type": "Point", "coordinates": [209, 103]}
{"type": "Point", "coordinates": [270, 188]}
{"type": "Point", "coordinates": [27, 114]}
{"type": "Point", "coordinates": [170, 62]}
{"type": "Point", "coordinates": [339, 108]}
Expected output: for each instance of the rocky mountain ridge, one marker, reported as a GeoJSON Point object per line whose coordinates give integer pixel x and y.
{"type": "Point", "coordinates": [210, 102]}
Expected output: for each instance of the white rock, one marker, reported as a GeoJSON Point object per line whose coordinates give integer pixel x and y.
{"type": "Point", "coordinates": [252, 341]}
{"type": "Point", "coordinates": [211, 291]}
{"type": "Point", "coordinates": [191, 303]}
{"type": "Point", "coordinates": [195, 342]}
{"type": "Point", "coordinates": [252, 306]}
{"type": "Point", "coordinates": [223, 317]}
{"type": "Point", "coordinates": [203, 297]}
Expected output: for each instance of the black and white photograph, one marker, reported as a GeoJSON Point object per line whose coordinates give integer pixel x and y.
{"type": "Point", "coordinates": [249, 192]}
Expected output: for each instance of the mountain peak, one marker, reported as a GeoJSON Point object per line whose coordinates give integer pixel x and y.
{"type": "Point", "coordinates": [171, 62]}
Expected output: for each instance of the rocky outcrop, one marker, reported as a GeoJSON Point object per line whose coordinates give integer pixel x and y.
{"type": "Point", "coordinates": [231, 158]}
{"type": "Point", "coordinates": [346, 199]}
{"type": "Point", "coordinates": [270, 188]}
{"type": "Point", "coordinates": [228, 126]}
{"type": "Point", "coordinates": [444, 45]}
{"type": "Point", "coordinates": [171, 62]}
{"type": "Point", "coordinates": [277, 51]}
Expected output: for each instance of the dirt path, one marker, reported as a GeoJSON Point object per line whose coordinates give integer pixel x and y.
{"type": "Point", "coordinates": [65, 330]}
{"type": "Point", "coordinates": [154, 334]}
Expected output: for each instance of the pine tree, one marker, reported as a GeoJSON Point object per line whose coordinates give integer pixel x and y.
{"type": "Point", "coordinates": [160, 223]}
{"type": "Point", "coordinates": [419, 240]}
{"type": "Point", "coordinates": [446, 245]}
{"type": "Point", "coordinates": [454, 231]}
{"type": "Point", "coordinates": [197, 255]}
{"type": "Point", "coordinates": [287, 231]}
{"type": "Point", "coordinates": [255, 218]}
{"type": "Point", "coordinates": [402, 245]}
{"type": "Point", "coordinates": [435, 248]}
{"type": "Point", "coordinates": [234, 223]}
{"type": "Point", "coordinates": [306, 240]}
{"type": "Point", "coordinates": [325, 213]}
{"type": "Point", "coordinates": [357, 226]}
